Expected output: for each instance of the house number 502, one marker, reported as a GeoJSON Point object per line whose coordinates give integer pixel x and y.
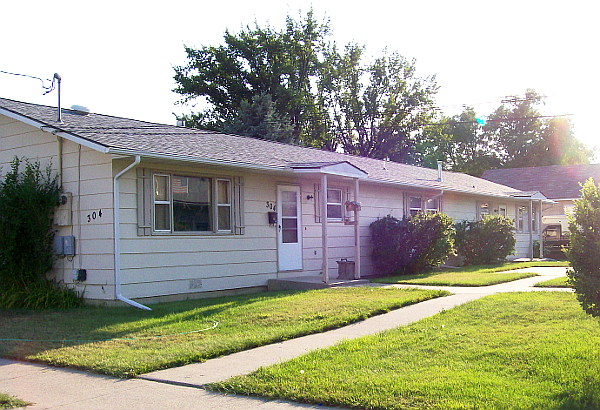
{"type": "Point", "coordinates": [94, 215]}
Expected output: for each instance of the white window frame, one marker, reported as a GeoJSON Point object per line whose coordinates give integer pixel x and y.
{"type": "Point", "coordinates": [340, 204]}
{"type": "Point", "coordinates": [483, 208]}
{"type": "Point", "coordinates": [214, 205]}
{"type": "Point", "coordinates": [435, 210]}
{"type": "Point", "coordinates": [521, 222]}
{"type": "Point", "coordinates": [223, 205]}
{"type": "Point", "coordinates": [503, 210]}
{"type": "Point", "coordinates": [415, 209]}
{"type": "Point", "coordinates": [168, 202]}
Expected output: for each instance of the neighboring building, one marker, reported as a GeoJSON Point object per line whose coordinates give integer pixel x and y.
{"type": "Point", "coordinates": [560, 183]}
{"type": "Point", "coordinates": [201, 212]}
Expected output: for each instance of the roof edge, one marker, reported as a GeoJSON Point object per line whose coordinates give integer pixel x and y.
{"type": "Point", "coordinates": [54, 130]}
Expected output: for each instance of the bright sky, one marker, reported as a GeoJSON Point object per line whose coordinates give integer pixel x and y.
{"type": "Point", "coordinates": [116, 57]}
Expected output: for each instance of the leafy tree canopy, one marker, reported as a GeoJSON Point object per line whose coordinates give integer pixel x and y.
{"type": "Point", "coordinates": [584, 252]}
{"type": "Point", "coordinates": [378, 110]}
{"type": "Point", "coordinates": [257, 61]}
{"type": "Point", "coordinates": [259, 119]}
{"type": "Point", "coordinates": [515, 135]}
{"type": "Point", "coordinates": [332, 99]}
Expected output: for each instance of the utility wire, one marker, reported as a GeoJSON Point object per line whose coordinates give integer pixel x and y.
{"type": "Point", "coordinates": [501, 119]}
{"type": "Point", "coordinates": [47, 89]}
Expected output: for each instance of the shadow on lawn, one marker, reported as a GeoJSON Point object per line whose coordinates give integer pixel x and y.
{"type": "Point", "coordinates": [29, 332]}
{"type": "Point", "coordinates": [584, 396]}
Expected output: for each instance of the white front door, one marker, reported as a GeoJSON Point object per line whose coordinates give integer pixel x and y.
{"type": "Point", "coordinates": [289, 228]}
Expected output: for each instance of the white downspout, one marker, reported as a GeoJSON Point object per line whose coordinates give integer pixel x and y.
{"type": "Point", "coordinates": [356, 233]}
{"type": "Point", "coordinates": [531, 229]}
{"type": "Point", "coordinates": [324, 238]}
{"type": "Point", "coordinates": [117, 232]}
{"type": "Point", "coordinates": [541, 233]}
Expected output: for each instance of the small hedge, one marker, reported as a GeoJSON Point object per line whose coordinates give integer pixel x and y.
{"type": "Point", "coordinates": [412, 245]}
{"type": "Point", "coordinates": [584, 252]}
{"type": "Point", "coordinates": [27, 203]}
{"type": "Point", "coordinates": [485, 242]}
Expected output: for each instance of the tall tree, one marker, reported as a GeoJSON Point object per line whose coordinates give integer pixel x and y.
{"type": "Point", "coordinates": [558, 145]}
{"type": "Point", "coordinates": [377, 110]}
{"type": "Point", "coordinates": [515, 128]}
{"type": "Point", "coordinates": [283, 64]}
{"type": "Point", "coordinates": [259, 119]}
{"type": "Point", "coordinates": [459, 141]}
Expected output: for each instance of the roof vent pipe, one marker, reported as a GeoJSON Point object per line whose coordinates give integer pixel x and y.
{"type": "Point", "coordinates": [57, 77]}
{"type": "Point", "coordinates": [440, 163]}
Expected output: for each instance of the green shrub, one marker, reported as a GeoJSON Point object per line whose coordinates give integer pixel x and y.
{"type": "Point", "coordinates": [584, 252]}
{"type": "Point", "coordinates": [411, 245]}
{"type": "Point", "coordinates": [27, 203]}
{"type": "Point", "coordinates": [485, 242]}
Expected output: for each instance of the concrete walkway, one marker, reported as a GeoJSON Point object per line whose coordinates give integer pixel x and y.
{"type": "Point", "coordinates": [181, 387]}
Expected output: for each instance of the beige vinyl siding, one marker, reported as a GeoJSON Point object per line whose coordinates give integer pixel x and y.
{"type": "Point", "coordinates": [460, 207]}
{"type": "Point", "coordinates": [377, 202]}
{"type": "Point", "coordinates": [161, 265]}
{"type": "Point", "coordinates": [94, 247]}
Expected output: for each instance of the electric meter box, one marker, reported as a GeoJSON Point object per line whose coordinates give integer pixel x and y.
{"type": "Point", "coordinates": [64, 245]}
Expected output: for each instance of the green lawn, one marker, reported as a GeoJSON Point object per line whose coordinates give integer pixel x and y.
{"type": "Point", "coordinates": [507, 351]}
{"type": "Point", "coordinates": [553, 283]}
{"type": "Point", "coordinates": [470, 275]}
{"type": "Point", "coordinates": [125, 342]}
{"type": "Point", "coordinates": [10, 402]}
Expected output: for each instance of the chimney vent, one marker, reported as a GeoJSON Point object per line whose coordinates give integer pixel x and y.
{"type": "Point", "coordinates": [440, 163]}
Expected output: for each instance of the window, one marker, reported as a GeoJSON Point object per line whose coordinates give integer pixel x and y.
{"type": "Point", "coordinates": [162, 203]}
{"type": "Point", "coordinates": [334, 204]}
{"type": "Point", "coordinates": [534, 224]}
{"type": "Point", "coordinates": [522, 219]}
{"type": "Point", "coordinates": [432, 206]}
{"type": "Point", "coordinates": [224, 204]}
{"type": "Point", "coordinates": [483, 208]}
{"type": "Point", "coordinates": [191, 204]}
{"type": "Point", "coordinates": [502, 210]}
{"type": "Point", "coordinates": [414, 205]}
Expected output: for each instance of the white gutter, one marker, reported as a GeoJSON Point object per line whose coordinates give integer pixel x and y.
{"type": "Point", "coordinates": [196, 160]}
{"type": "Point", "coordinates": [118, 236]}
{"type": "Point", "coordinates": [120, 151]}
{"type": "Point", "coordinates": [54, 130]}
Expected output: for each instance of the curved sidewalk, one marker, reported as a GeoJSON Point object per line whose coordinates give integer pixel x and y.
{"type": "Point", "coordinates": [181, 387]}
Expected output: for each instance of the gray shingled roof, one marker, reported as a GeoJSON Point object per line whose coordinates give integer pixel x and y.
{"type": "Point", "coordinates": [121, 135]}
{"type": "Point", "coordinates": [555, 181]}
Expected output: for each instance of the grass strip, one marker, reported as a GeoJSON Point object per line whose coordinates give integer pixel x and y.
{"type": "Point", "coordinates": [553, 283]}
{"type": "Point", "coordinates": [470, 275]}
{"type": "Point", "coordinates": [11, 402]}
{"type": "Point", "coordinates": [535, 350]}
{"type": "Point", "coordinates": [141, 341]}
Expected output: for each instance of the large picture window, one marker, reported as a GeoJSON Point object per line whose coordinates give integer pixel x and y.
{"type": "Point", "coordinates": [191, 204]}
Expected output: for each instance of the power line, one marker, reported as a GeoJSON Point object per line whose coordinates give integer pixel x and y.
{"type": "Point", "coordinates": [478, 121]}
{"type": "Point", "coordinates": [505, 100]}
{"type": "Point", "coordinates": [47, 89]}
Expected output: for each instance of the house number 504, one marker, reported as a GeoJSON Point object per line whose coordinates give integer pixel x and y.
{"type": "Point", "coordinates": [94, 215]}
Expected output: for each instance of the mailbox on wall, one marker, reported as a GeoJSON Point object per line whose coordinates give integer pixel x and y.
{"type": "Point", "coordinates": [272, 218]}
